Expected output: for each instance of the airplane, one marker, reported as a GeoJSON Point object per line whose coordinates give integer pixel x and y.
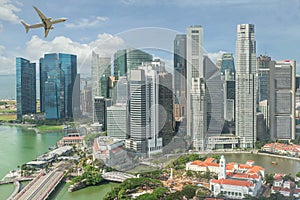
{"type": "Point", "coordinates": [46, 22]}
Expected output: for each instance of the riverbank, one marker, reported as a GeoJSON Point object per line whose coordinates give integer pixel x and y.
{"type": "Point", "coordinates": [278, 156]}
{"type": "Point", "coordinates": [254, 152]}
{"type": "Point", "coordinates": [37, 128]}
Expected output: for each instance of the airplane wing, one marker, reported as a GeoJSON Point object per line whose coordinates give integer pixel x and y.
{"type": "Point", "coordinates": [42, 16]}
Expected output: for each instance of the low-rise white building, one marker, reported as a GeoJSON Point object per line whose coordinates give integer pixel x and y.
{"type": "Point", "coordinates": [110, 150]}
{"type": "Point", "coordinates": [239, 183]}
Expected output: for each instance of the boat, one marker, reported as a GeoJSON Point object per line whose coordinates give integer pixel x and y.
{"type": "Point", "coordinates": [274, 163]}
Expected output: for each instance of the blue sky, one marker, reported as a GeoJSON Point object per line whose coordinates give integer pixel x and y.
{"type": "Point", "coordinates": [101, 25]}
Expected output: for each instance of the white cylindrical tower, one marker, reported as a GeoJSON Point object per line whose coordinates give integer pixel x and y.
{"type": "Point", "coordinates": [222, 173]}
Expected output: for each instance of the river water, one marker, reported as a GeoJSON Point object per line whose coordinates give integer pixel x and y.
{"type": "Point", "coordinates": [19, 145]}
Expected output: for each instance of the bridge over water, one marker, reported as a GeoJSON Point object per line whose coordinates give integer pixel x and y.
{"type": "Point", "coordinates": [41, 186]}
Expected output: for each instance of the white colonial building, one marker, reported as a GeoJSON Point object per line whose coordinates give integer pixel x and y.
{"type": "Point", "coordinates": [238, 183]}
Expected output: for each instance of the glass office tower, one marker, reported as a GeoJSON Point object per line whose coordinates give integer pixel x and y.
{"type": "Point", "coordinates": [68, 64]}
{"type": "Point", "coordinates": [25, 87]}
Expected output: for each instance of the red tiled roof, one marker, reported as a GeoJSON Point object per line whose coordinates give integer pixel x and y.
{"type": "Point", "coordinates": [233, 182]}
{"type": "Point", "coordinates": [73, 138]}
{"type": "Point", "coordinates": [209, 160]}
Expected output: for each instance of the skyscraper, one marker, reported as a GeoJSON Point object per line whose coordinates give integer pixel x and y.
{"type": "Point", "coordinates": [166, 111]}
{"type": "Point", "coordinates": [227, 63]}
{"type": "Point", "coordinates": [228, 76]}
{"type": "Point", "coordinates": [25, 87]}
{"type": "Point", "coordinates": [101, 70]}
{"type": "Point", "coordinates": [196, 88]}
{"type": "Point", "coordinates": [214, 98]}
{"type": "Point", "coordinates": [282, 100]}
{"type": "Point", "coordinates": [264, 63]}
{"type": "Point", "coordinates": [180, 75]}
{"type": "Point", "coordinates": [263, 67]}
{"type": "Point", "coordinates": [67, 63]}
{"type": "Point", "coordinates": [138, 112]}
{"type": "Point", "coordinates": [145, 112]}
{"type": "Point", "coordinates": [120, 63]}
{"type": "Point", "coordinates": [129, 59]}
{"type": "Point", "coordinates": [48, 63]}
{"type": "Point", "coordinates": [246, 85]}
{"type": "Point", "coordinates": [117, 121]}
{"type": "Point", "coordinates": [55, 90]}
{"type": "Point", "coordinates": [100, 109]}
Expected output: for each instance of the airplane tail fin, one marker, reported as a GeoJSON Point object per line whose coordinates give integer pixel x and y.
{"type": "Point", "coordinates": [26, 26]}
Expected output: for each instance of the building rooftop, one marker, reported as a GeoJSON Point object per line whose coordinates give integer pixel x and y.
{"type": "Point", "coordinates": [233, 182]}
{"type": "Point", "coordinates": [61, 150]}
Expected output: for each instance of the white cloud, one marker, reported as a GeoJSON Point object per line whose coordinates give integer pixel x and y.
{"type": "Point", "coordinates": [105, 44]}
{"type": "Point", "coordinates": [1, 27]}
{"type": "Point", "coordinates": [8, 10]}
{"type": "Point", "coordinates": [186, 3]}
{"type": "Point", "coordinates": [6, 64]}
{"type": "Point", "coordinates": [215, 55]}
{"type": "Point", "coordinates": [87, 22]}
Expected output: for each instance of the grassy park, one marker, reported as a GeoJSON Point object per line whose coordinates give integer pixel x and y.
{"type": "Point", "coordinates": [7, 117]}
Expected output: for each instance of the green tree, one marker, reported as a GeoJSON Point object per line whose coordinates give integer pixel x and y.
{"type": "Point", "coordinates": [189, 173]}
{"type": "Point", "coordinates": [269, 178]}
{"type": "Point", "coordinates": [188, 191]}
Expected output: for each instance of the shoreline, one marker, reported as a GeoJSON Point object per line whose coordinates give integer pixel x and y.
{"type": "Point", "coordinates": [278, 156]}
{"type": "Point", "coordinates": [254, 152]}
{"type": "Point", "coordinates": [34, 127]}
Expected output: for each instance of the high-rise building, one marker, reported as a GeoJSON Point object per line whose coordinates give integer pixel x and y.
{"type": "Point", "coordinates": [100, 109]}
{"type": "Point", "coordinates": [229, 103]}
{"type": "Point", "coordinates": [25, 87]}
{"type": "Point", "coordinates": [117, 121]}
{"type": "Point", "coordinates": [145, 112]}
{"type": "Point", "coordinates": [138, 112]}
{"type": "Point", "coordinates": [264, 63]}
{"type": "Point", "coordinates": [67, 63]}
{"type": "Point", "coordinates": [48, 63]}
{"type": "Point", "coordinates": [120, 63]}
{"type": "Point", "coordinates": [227, 63]}
{"type": "Point", "coordinates": [263, 67]}
{"type": "Point", "coordinates": [166, 130]}
{"type": "Point", "coordinates": [86, 98]}
{"type": "Point", "coordinates": [228, 76]}
{"type": "Point", "coordinates": [122, 90]}
{"type": "Point", "coordinates": [246, 85]}
{"type": "Point", "coordinates": [101, 71]}
{"type": "Point", "coordinates": [196, 88]}
{"type": "Point", "coordinates": [55, 90]}
{"type": "Point", "coordinates": [282, 100]}
{"type": "Point", "coordinates": [214, 98]}
{"type": "Point", "coordinates": [129, 59]}
{"type": "Point", "coordinates": [180, 76]}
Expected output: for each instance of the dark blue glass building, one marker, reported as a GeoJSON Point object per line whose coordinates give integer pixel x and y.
{"type": "Point", "coordinates": [62, 67]}
{"type": "Point", "coordinates": [25, 87]}
{"type": "Point", "coordinates": [54, 90]}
